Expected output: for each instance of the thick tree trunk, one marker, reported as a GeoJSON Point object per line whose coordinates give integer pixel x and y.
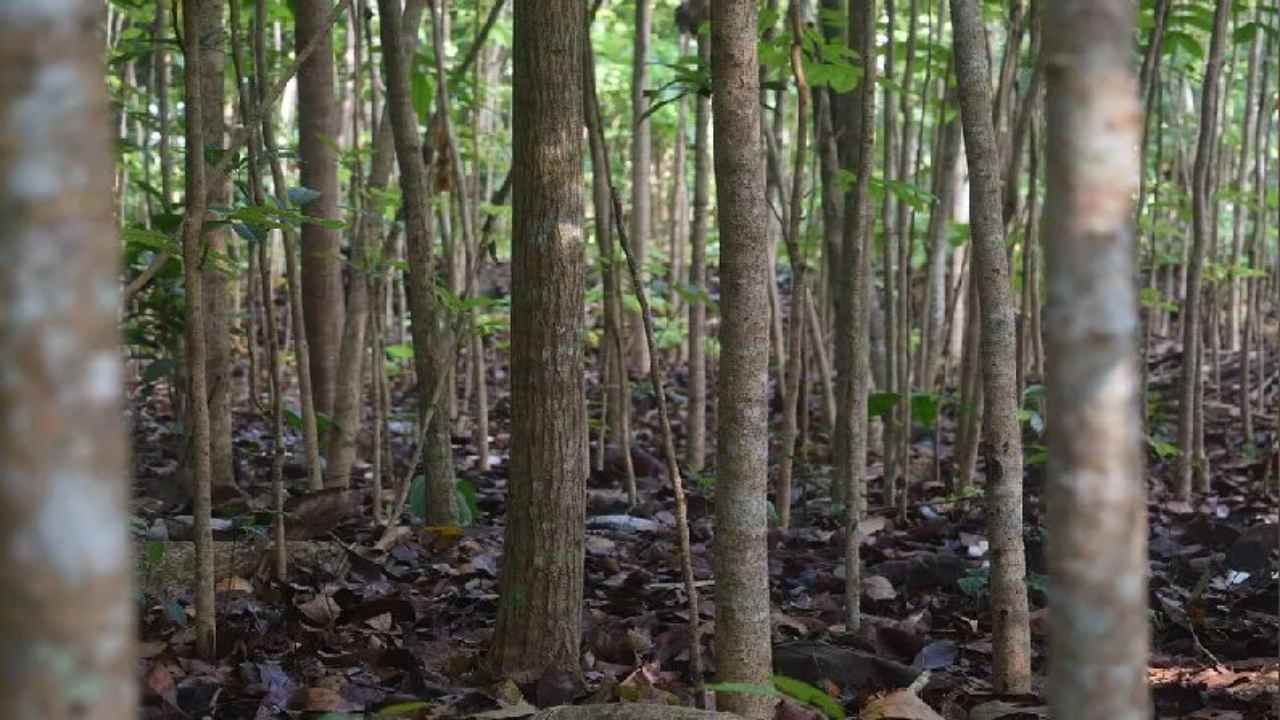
{"type": "Point", "coordinates": [1096, 491]}
{"type": "Point", "coordinates": [539, 626]}
{"type": "Point", "coordinates": [743, 647]}
{"type": "Point", "coordinates": [321, 262]}
{"type": "Point", "coordinates": [63, 513]}
{"type": "Point", "coordinates": [1003, 434]}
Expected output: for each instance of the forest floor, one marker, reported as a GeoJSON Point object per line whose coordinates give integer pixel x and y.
{"type": "Point", "coordinates": [402, 625]}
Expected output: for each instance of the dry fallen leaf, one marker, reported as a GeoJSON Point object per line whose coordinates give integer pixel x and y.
{"type": "Point", "coordinates": [898, 705]}
{"type": "Point", "coordinates": [995, 709]}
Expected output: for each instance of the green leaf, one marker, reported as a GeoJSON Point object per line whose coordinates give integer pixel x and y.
{"type": "Point", "coordinates": [468, 509]}
{"type": "Point", "coordinates": [924, 408]}
{"type": "Point", "coordinates": [810, 695]}
{"type": "Point", "coordinates": [403, 351]}
{"type": "Point", "coordinates": [880, 404]}
{"type": "Point", "coordinates": [418, 496]}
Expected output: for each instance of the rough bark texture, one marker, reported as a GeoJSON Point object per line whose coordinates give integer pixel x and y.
{"type": "Point", "coordinates": [218, 360]}
{"type": "Point", "coordinates": [539, 625]}
{"type": "Point", "coordinates": [1200, 224]}
{"type": "Point", "coordinates": [321, 262]}
{"type": "Point", "coordinates": [1003, 437]}
{"type": "Point", "coordinates": [63, 486]}
{"type": "Point", "coordinates": [743, 648]}
{"type": "Point", "coordinates": [697, 420]}
{"type": "Point", "coordinates": [1096, 492]}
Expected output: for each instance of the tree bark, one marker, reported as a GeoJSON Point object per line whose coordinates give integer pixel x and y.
{"type": "Point", "coordinates": [1201, 220]}
{"type": "Point", "coordinates": [539, 626]}
{"type": "Point", "coordinates": [1003, 434]}
{"type": "Point", "coordinates": [321, 262]}
{"type": "Point", "coordinates": [697, 420]}
{"type": "Point", "coordinates": [1096, 491]}
{"type": "Point", "coordinates": [852, 313]}
{"type": "Point", "coordinates": [431, 354]}
{"type": "Point", "coordinates": [197, 389]}
{"type": "Point", "coordinates": [63, 486]}
{"type": "Point", "coordinates": [641, 167]}
{"type": "Point", "coordinates": [216, 279]}
{"type": "Point", "coordinates": [743, 647]}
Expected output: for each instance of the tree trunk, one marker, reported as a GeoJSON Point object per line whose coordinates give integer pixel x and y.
{"type": "Point", "coordinates": [743, 646]}
{"type": "Point", "coordinates": [1003, 434]}
{"type": "Point", "coordinates": [697, 420]}
{"type": "Point", "coordinates": [62, 456]}
{"type": "Point", "coordinates": [197, 389]}
{"type": "Point", "coordinates": [852, 312]}
{"type": "Point", "coordinates": [796, 321]}
{"type": "Point", "coordinates": [431, 348]}
{"type": "Point", "coordinates": [1192, 307]}
{"type": "Point", "coordinates": [641, 167]}
{"type": "Point", "coordinates": [944, 186]}
{"type": "Point", "coordinates": [322, 294]}
{"type": "Point", "coordinates": [216, 280]}
{"type": "Point", "coordinates": [539, 626]}
{"type": "Point", "coordinates": [1096, 490]}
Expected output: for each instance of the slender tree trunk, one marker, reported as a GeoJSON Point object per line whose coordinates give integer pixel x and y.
{"type": "Point", "coordinates": [852, 313]}
{"type": "Point", "coordinates": [216, 281]}
{"type": "Point", "coordinates": [1235, 304]}
{"type": "Point", "coordinates": [1192, 307]}
{"type": "Point", "coordinates": [743, 647]}
{"type": "Point", "coordinates": [617, 384]}
{"type": "Point", "coordinates": [539, 612]}
{"type": "Point", "coordinates": [796, 323]}
{"type": "Point", "coordinates": [697, 420]}
{"type": "Point", "coordinates": [321, 261]}
{"type": "Point", "coordinates": [1003, 435]}
{"type": "Point", "coordinates": [944, 187]}
{"type": "Point", "coordinates": [63, 498]}
{"type": "Point", "coordinates": [197, 389]}
{"type": "Point", "coordinates": [431, 347]}
{"type": "Point", "coordinates": [641, 166]}
{"type": "Point", "coordinates": [1096, 491]}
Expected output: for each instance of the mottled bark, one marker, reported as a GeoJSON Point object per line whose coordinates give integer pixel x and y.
{"type": "Point", "coordinates": [63, 486]}
{"type": "Point", "coordinates": [1002, 433]}
{"type": "Point", "coordinates": [539, 625]}
{"type": "Point", "coordinates": [1096, 490]}
{"type": "Point", "coordinates": [322, 294]}
{"type": "Point", "coordinates": [743, 647]}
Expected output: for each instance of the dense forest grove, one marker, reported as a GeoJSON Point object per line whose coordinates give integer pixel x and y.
{"type": "Point", "coordinates": [639, 359]}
